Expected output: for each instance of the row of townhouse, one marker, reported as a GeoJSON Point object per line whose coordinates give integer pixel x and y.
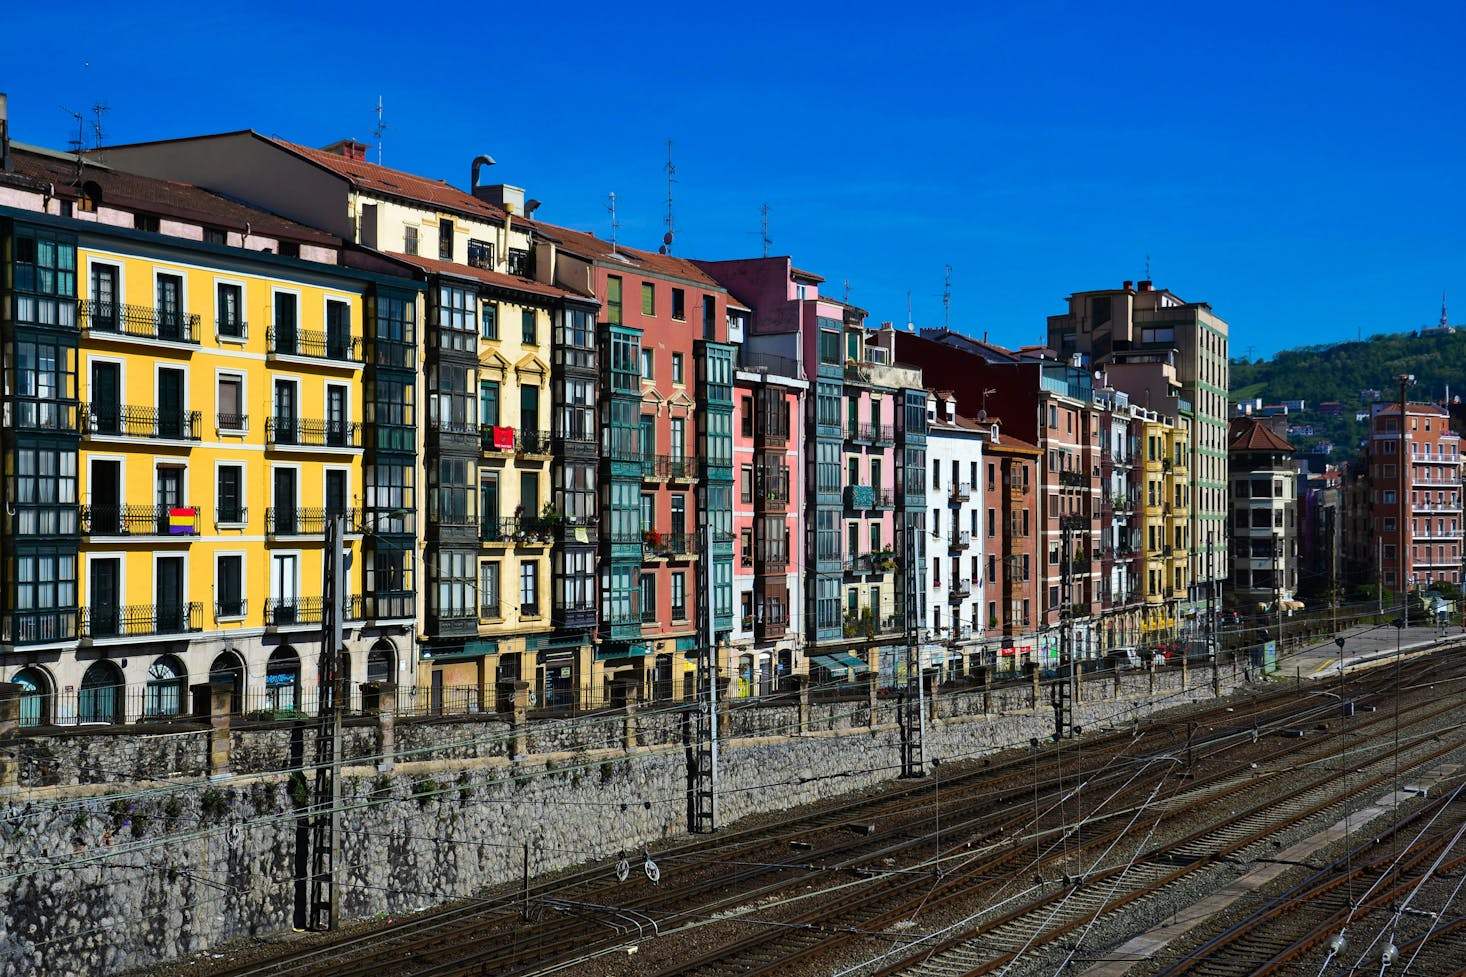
{"type": "Point", "coordinates": [554, 459]}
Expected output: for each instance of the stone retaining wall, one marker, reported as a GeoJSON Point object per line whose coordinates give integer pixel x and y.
{"type": "Point", "coordinates": [97, 882]}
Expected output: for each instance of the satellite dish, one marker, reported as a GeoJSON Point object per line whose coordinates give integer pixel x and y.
{"type": "Point", "coordinates": [667, 238]}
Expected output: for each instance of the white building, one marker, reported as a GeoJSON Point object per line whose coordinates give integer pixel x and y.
{"type": "Point", "coordinates": [955, 558]}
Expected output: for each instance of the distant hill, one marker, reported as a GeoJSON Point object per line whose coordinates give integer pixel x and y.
{"type": "Point", "coordinates": [1340, 372]}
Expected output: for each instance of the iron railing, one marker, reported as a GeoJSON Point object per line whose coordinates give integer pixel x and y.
{"type": "Point", "coordinates": [293, 612]}
{"type": "Point", "coordinates": [138, 620]}
{"type": "Point", "coordinates": [304, 432]}
{"type": "Point", "coordinates": [138, 321]}
{"type": "Point", "coordinates": [312, 343]}
{"type": "Point", "coordinates": [297, 521]}
{"type": "Point", "coordinates": [131, 421]}
{"type": "Point", "coordinates": [140, 520]}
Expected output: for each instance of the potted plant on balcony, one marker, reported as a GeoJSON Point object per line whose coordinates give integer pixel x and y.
{"type": "Point", "coordinates": [550, 522]}
{"type": "Point", "coordinates": [867, 622]}
{"type": "Point", "coordinates": [651, 539]}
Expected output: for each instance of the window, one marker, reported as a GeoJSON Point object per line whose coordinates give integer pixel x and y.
{"type": "Point", "coordinates": [409, 240]}
{"type": "Point", "coordinates": [488, 402]}
{"type": "Point", "coordinates": [648, 599]}
{"type": "Point", "coordinates": [613, 300]}
{"type": "Point", "coordinates": [519, 262]}
{"type": "Point", "coordinates": [745, 485]}
{"type": "Point", "coordinates": [530, 332]}
{"type": "Point", "coordinates": [481, 254]}
{"type": "Point", "coordinates": [992, 522]}
{"type": "Point", "coordinates": [648, 299]}
{"type": "Point", "coordinates": [455, 310]}
{"type": "Point", "coordinates": [230, 496]}
{"type": "Point", "coordinates": [229, 586]}
{"type": "Point", "coordinates": [677, 368]}
{"type": "Point", "coordinates": [679, 515]}
{"type": "Point", "coordinates": [45, 492]}
{"type": "Point", "coordinates": [709, 317]}
{"type": "Point", "coordinates": [229, 311]}
{"type": "Point", "coordinates": [145, 222]}
{"type": "Point", "coordinates": [230, 403]}
{"type": "Point", "coordinates": [445, 239]}
{"type": "Point", "coordinates": [490, 313]}
{"type": "Point", "coordinates": [453, 596]}
{"type": "Point", "coordinates": [290, 249]}
{"type": "Point", "coordinates": [488, 589]}
{"type": "Point", "coordinates": [529, 588]}
{"type": "Point", "coordinates": [679, 596]}
{"type": "Point", "coordinates": [646, 365]}
{"type": "Point", "coordinates": [529, 409]}
{"type": "Point", "coordinates": [679, 304]}
{"type": "Point", "coordinates": [829, 347]}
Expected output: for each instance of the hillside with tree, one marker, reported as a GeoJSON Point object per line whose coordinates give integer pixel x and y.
{"type": "Point", "coordinates": [1342, 372]}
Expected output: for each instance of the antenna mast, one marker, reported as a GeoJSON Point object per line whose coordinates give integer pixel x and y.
{"type": "Point", "coordinates": [614, 225]}
{"type": "Point", "coordinates": [1147, 267]}
{"type": "Point", "coordinates": [380, 128]}
{"type": "Point", "coordinates": [847, 291]}
{"type": "Point", "coordinates": [764, 232]}
{"type": "Point", "coordinates": [79, 144]}
{"type": "Point", "coordinates": [97, 111]}
{"type": "Point", "coordinates": [910, 323]}
{"type": "Point", "coordinates": [1444, 321]}
{"type": "Point", "coordinates": [947, 300]}
{"type": "Point", "coordinates": [671, 174]}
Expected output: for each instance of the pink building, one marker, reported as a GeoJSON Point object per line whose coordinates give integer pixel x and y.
{"type": "Point", "coordinates": [766, 524]}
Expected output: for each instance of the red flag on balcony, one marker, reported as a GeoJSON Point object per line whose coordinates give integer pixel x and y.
{"type": "Point", "coordinates": [503, 438]}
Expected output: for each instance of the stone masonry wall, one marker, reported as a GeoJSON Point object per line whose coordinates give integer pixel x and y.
{"type": "Point", "coordinates": [97, 881]}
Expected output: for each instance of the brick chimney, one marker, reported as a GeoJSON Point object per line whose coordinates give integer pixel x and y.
{"type": "Point", "coordinates": [349, 148]}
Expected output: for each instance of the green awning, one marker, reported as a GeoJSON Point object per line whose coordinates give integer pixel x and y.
{"type": "Point", "coordinates": [850, 661]}
{"type": "Point", "coordinates": [826, 661]}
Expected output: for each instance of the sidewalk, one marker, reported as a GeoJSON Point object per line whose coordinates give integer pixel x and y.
{"type": "Point", "coordinates": [1370, 645]}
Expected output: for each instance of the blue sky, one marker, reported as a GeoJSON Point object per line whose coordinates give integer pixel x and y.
{"type": "Point", "coordinates": [1296, 165]}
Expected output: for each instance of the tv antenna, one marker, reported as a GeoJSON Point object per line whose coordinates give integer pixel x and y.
{"type": "Point", "coordinates": [1147, 267]}
{"type": "Point", "coordinates": [764, 229]}
{"type": "Point", "coordinates": [947, 300]}
{"type": "Point", "coordinates": [847, 291]}
{"type": "Point", "coordinates": [97, 111]}
{"type": "Point", "coordinates": [378, 129]}
{"type": "Point", "coordinates": [1444, 321]}
{"type": "Point", "coordinates": [614, 225]}
{"type": "Point", "coordinates": [666, 247]}
{"type": "Point", "coordinates": [910, 322]}
{"type": "Point", "coordinates": [79, 144]}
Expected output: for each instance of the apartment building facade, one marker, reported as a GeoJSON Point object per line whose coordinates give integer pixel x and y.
{"type": "Point", "coordinates": [956, 581]}
{"type": "Point", "coordinates": [1264, 544]}
{"type": "Point", "coordinates": [1415, 494]}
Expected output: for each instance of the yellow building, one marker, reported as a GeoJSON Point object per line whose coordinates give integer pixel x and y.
{"type": "Point", "coordinates": [207, 362]}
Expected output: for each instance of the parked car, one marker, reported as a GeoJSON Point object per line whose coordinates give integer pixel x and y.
{"type": "Point", "coordinates": [1123, 658]}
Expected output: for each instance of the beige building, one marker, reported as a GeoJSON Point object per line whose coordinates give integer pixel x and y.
{"type": "Point", "coordinates": [1141, 323]}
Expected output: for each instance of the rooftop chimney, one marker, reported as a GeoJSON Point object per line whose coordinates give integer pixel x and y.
{"type": "Point", "coordinates": [951, 405]}
{"type": "Point", "coordinates": [1145, 285]}
{"type": "Point", "coordinates": [1128, 285]}
{"type": "Point", "coordinates": [349, 148]}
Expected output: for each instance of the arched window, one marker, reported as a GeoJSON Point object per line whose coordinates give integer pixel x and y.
{"type": "Point", "coordinates": [101, 694]}
{"type": "Point", "coordinates": [381, 662]}
{"type": "Point", "coordinates": [282, 680]}
{"type": "Point", "coordinates": [228, 670]}
{"type": "Point", "coordinates": [164, 696]}
{"type": "Point", "coordinates": [35, 696]}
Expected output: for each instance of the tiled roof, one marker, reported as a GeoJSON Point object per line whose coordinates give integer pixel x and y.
{"type": "Point", "coordinates": [589, 246]}
{"type": "Point", "coordinates": [396, 183]}
{"type": "Point", "coordinates": [1250, 434]}
{"type": "Point", "coordinates": [438, 267]}
{"type": "Point", "coordinates": [165, 198]}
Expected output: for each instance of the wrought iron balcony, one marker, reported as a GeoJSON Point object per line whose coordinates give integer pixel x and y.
{"type": "Point", "coordinates": [528, 442]}
{"type": "Point", "coordinates": [677, 468]}
{"type": "Point", "coordinates": [293, 612]}
{"type": "Point", "coordinates": [284, 521]}
{"type": "Point", "coordinates": [235, 608]}
{"type": "Point", "coordinates": [140, 620]}
{"type": "Point", "coordinates": [1073, 479]}
{"type": "Point", "coordinates": [131, 421]}
{"type": "Point", "coordinates": [859, 497]}
{"type": "Point", "coordinates": [960, 539]}
{"type": "Point", "coordinates": [959, 590]}
{"type": "Point", "coordinates": [138, 322]}
{"type": "Point", "coordinates": [140, 520]}
{"type": "Point", "coordinates": [1075, 522]}
{"type": "Point", "coordinates": [489, 610]}
{"type": "Point", "coordinates": [226, 328]}
{"type": "Point", "coordinates": [312, 343]}
{"type": "Point", "coordinates": [526, 531]}
{"type": "Point", "coordinates": [961, 491]}
{"type": "Point", "coordinates": [300, 432]}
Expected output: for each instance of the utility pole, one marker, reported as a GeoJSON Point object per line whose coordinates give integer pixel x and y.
{"type": "Point", "coordinates": [326, 819]}
{"type": "Point", "coordinates": [1061, 692]}
{"type": "Point", "coordinates": [1211, 637]}
{"type": "Point", "coordinates": [911, 717]}
{"type": "Point", "coordinates": [705, 750]}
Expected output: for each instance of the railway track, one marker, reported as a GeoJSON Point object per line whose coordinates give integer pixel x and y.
{"type": "Point", "coordinates": [860, 871]}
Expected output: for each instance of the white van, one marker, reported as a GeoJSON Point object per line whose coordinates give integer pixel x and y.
{"type": "Point", "coordinates": [1123, 658]}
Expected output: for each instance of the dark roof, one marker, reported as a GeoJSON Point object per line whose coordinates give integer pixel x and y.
{"type": "Point", "coordinates": [395, 183]}
{"type": "Point", "coordinates": [1250, 434]}
{"type": "Point", "coordinates": [589, 246]}
{"type": "Point", "coordinates": [512, 282]}
{"type": "Point", "coordinates": [165, 198]}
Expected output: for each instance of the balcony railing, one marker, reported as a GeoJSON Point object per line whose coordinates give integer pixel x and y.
{"type": "Point", "coordinates": [960, 539]}
{"type": "Point", "coordinates": [884, 499]}
{"type": "Point", "coordinates": [532, 442]}
{"type": "Point", "coordinates": [228, 609]}
{"type": "Point", "coordinates": [527, 531]}
{"type": "Point", "coordinates": [301, 432]}
{"type": "Point", "coordinates": [488, 610]}
{"type": "Point", "coordinates": [859, 497]}
{"type": "Point", "coordinates": [312, 343]}
{"type": "Point", "coordinates": [138, 322]}
{"type": "Point", "coordinates": [674, 467]}
{"type": "Point", "coordinates": [960, 589]}
{"type": "Point", "coordinates": [231, 423]}
{"type": "Point", "coordinates": [140, 520]}
{"type": "Point", "coordinates": [293, 611]}
{"type": "Point", "coordinates": [648, 615]}
{"type": "Point", "coordinates": [1074, 522]}
{"type": "Point", "coordinates": [131, 421]}
{"type": "Point", "coordinates": [1074, 479]}
{"type": "Point", "coordinates": [36, 627]}
{"type": "Point", "coordinates": [287, 521]}
{"type": "Point", "coordinates": [961, 491]}
{"type": "Point", "coordinates": [139, 620]}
